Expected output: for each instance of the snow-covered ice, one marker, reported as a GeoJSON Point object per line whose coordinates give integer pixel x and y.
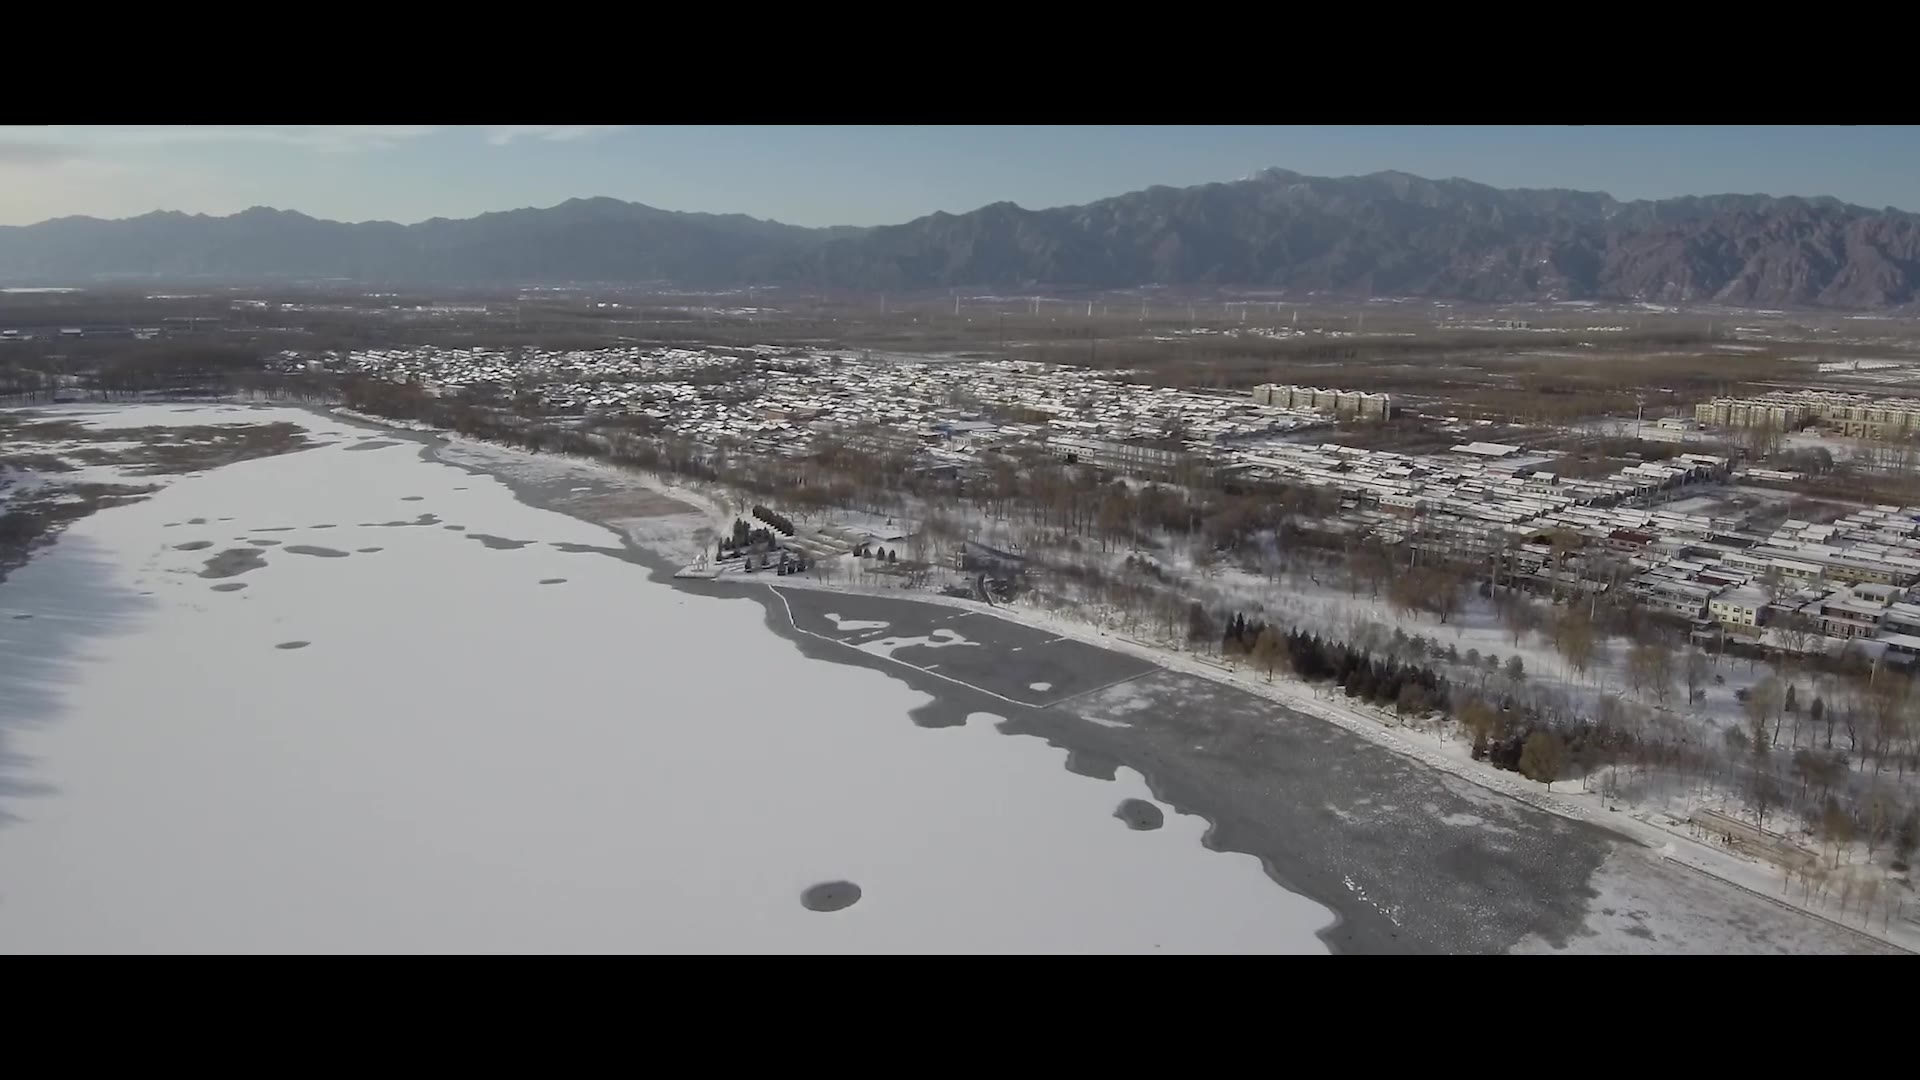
{"type": "Point", "coordinates": [463, 759]}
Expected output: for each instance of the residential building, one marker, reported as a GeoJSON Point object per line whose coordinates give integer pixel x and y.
{"type": "Point", "coordinates": [1856, 415]}
{"type": "Point", "coordinates": [1355, 403]}
{"type": "Point", "coordinates": [1741, 607]}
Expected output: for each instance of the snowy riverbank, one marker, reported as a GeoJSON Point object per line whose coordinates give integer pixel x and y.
{"type": "Point", "coordinates": [676, 536]}
{"type": "Point", "coordinates": [437, 719]}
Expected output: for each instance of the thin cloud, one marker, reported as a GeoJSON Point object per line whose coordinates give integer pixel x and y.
{"type": "Point", "coordinates": [33, 153]}
{"type": "Point", "coordinates": [324, 137]}
{"type": "Point", "coordinates": [504, 134]}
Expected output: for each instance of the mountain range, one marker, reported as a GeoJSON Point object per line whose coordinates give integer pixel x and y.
{"type": "Point", "coordinates": [1384, 234]}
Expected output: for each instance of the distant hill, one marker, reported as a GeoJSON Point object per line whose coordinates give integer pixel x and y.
{"type": "Point", "coordinates": [581, 239]}
{"type": "Point", "coordinates": [1386, 234]}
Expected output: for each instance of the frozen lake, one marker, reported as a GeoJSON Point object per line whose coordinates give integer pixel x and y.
{"type": "Point", "coordinates": [470, 739]}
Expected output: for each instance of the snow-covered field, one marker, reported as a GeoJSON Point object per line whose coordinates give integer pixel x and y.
{"type": "Point", "coordinates": [445, 744]}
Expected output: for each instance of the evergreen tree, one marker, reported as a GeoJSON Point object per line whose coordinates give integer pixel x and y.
{"type": "Point", "coordinates": [1516, 668]}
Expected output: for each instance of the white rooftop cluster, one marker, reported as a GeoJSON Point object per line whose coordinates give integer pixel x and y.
{"type": "Point", "coordinates": [1479, 483]}
{"type": "Point", "coordinates": [749, 394]}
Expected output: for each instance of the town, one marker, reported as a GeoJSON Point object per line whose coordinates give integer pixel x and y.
{"type": "Point", "coordinates": [1716, 539]}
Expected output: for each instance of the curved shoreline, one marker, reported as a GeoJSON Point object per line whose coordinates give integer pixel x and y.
{"type": "Point", "coordinates": [1465, 868]}
{"type": "Point", "coordinates": [1358, 925]}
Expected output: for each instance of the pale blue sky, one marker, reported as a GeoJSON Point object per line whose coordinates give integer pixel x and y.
{"type": "Point", "coordinates": [879, 175]}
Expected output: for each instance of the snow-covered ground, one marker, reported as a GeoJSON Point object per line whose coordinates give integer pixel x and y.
{"type": "Point", "coordinates": [1330, 609]}
{"type": "Point", "coordinates": [445, 744]}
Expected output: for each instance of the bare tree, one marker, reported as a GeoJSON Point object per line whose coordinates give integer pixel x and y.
{"type": "Point", "coordinates": [1888, 708]}
{"type": "Point", "coordinates": [1836, 826]}
{"type": "Point", "coordinates": [1696, 669]}
{"type": "Point", "coordinates": [1519, 617]}
{"type": "Point", "coordinates": [1269, 651]}
{"type": "Point", "coordinates": [1372, 562]}
{"type": "Point", "coordinates": [1543, 757]}
{"type": "Point", "coordinates": [1762, 703]}
{"type": "Point", "coordinates": [1577, 640]}
{"type": "Point", "coordinates": [1205, 560]}
{"type": "Point", "coordinates": [1479, 721]}
{"type": "Point", "coordinates": [1762, 791]}
{"type": "Point", "coordinates": [1445, 593]}
{"type": "Point", "coordinates": [1880, 817]}
{"type": "Point", "coordinates": [1640, 665]}
{"type": "Point", "coordinates": [1660, 673]}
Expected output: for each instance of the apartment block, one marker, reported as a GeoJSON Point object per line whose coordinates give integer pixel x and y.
{"type": "Point", "coordinates": [1856, 415]}
{"type": "Point", "coordinates": [1355, 403]}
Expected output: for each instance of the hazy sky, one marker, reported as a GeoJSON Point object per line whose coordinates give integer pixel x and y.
{"type": "Point", "coordinates": [878, 175]}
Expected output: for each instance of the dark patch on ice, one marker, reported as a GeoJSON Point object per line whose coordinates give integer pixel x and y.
{"type": "Point", "coordinates": [1140, 815]}
{"type": "Point", "coordinates": [265, 543]}
{"type": "Point", "coordinates": [319, 552]}
{"type": "Point", "coordinates": [553, 581]}
{"type": "Point", "coordinates": [1091, 763]}
{"type": "Point", "coordinates": [224, 519]}
{"type": "Point", "coordinates": [196, 521]}
{"type": "Point", "coordinates": [293, 645]}
{"type": "Point", "coordinates": [373, 443]}
{"type": "Point", "coordinates": [193, 545]}
{"type": "Point", "coordinates": [830, 896]}
{"type": "Point", "coordinates": [233, 562]}
{"type": "Point", "coordinates": [369, 550]}
{"type": "Point", "coordinates": [459, 489]}
{"type": "Point", "coordinates": [1636, 930]}
{"type": "Point", "coordinates": [23, 615]}
{"type": "Point", "coordinates": [454, 528]}
{"type": "Point", "coordinates": [593, 549]}
{"type": "Point", "coordinates": [320, 526]}
{"type": "Point", "coordinates": [171, 525]}
{"type": "Point", "coordinates": [499, 543]}
{"type": "Point", "coordinates": [412, 498]}
{"type": "Point", "coordinates": [276, 528]}
{"type": "Point", "coordinates": [231, 586]}
{"type": "Point", "coordinates": [423, 519]}
{"type": "Point", "coordinates": [937, 718]}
